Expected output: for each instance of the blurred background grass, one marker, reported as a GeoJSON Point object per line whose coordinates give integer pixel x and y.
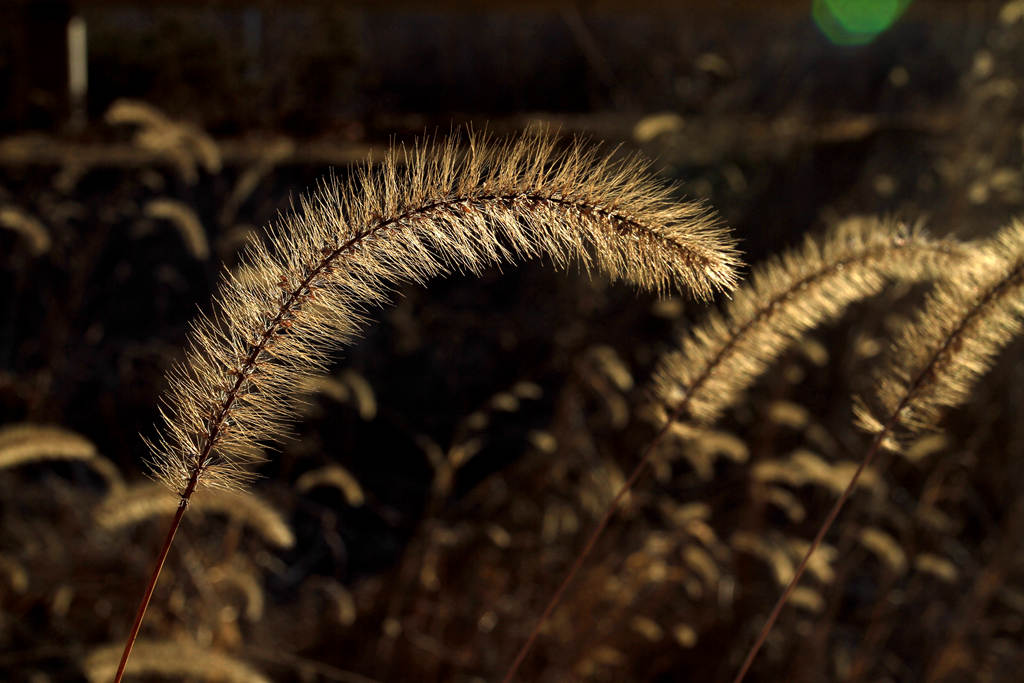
{"type": "Point", "coordinates": [488, 421]}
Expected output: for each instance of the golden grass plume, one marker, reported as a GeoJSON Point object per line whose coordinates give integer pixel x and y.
{"type": "Point", "coordinates": [786, 297]}
{"type": "Point", "coordinates": [23, 443]}
{"type": "Point", "coordinates": [936, 360]}
{"type": "Point", "coordinates": [246, 581]}
{"type": "Point", "coordinates": [348, 387]}
{"type": "Point", "coordinates": [337, 477]}
{"type": "Point", "coordinates": [29, 227]}
{"type": "Point", "coordinates": [183, 144]}
{"type": "Point", "coordinates": [276, 151]}
{"type": "Point", "coordinates": [436, 208]}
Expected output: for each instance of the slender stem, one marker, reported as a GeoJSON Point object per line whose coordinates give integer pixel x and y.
{"type": "Point", "coordinates": [818, 538]}
{"type": "Point", "coordinates": [925, 377]}
{"type": "Point", "coordinates": [588, 547]}
{"type": "Point", "coordinates": [683, 405]}
{"type": "Point", "coordinates": [151, 586]}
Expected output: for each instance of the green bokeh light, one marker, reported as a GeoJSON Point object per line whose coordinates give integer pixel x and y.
{"type": "Point", "coordinates": [856, 22]}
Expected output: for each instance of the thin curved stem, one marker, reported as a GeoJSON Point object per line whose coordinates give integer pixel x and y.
{"type": "Point", "coordinates": [737, 334]}
{"type": "Point", "coordinates": [588, 547]}
{"type": "Point", "coordinates": [151, 586]}
{"type": "Point", "coordinates": [925, 376]}
{"type": "Point", "coordinates": [818, 538]}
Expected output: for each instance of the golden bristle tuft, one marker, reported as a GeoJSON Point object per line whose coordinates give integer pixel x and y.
{"type": "Point", "coordinates": [434, 209]}
{"type": "Point", "coordinates": [786, 297]}
{"type": "Point", "coordinates": [936, 360]}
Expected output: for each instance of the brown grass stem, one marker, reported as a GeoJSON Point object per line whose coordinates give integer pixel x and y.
{"type": "Point", "coordinates": [961, 309]}
{"type": "Point", "coordinates": [588, 547]}
{"type": "Point", "coordinates": [305, 289]}
{"type": "Point", "coordinates": [818, 538]}
{"type": "Point", "coordinates": [151, 586]}
{"type": "Point", "coordinates": [848, 264]}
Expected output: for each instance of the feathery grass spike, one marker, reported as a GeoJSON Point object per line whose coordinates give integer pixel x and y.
{"type": "Point", "coordinates": [437, 208]}
{"type": "Point", "coordinates": [35, 233]}
{"type": "Point", "coordinates": [336, 476]}
{"type": "Point", "coordinates": [246, 580]}
{"type": "Point", "coordinates": [24, 443]}
{"type": "Point", "coordinates": [969, 317]}
{"type": "Point", "coordinates": [430, 210]}
{"type": "Point", "coordinates": [967, 320]}
{"type": "Point", "coordinates": [785, 298]}
{"type": "Point", "coordinates": [185, 219]}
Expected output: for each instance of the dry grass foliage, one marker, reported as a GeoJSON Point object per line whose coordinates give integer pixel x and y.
{"type": "Point", "coordinates": [184, 218]}
{"type": "Point", "coordinates": [348, 387]}
{"type": "Point", "coordinates": [337, 477]}
{"type": "Point", "coordinates": [170, 660]}
{"type": "Point", "coordinates": [145, 501]}
{"type": "Point", "coordinates": [21, 444]}
{"type": "Point", "coordinates": [184, 145]}
{"type": "Point", "coordinates": [26, 225]}
{"type": "Point", "coordinates": [305, 288]}
{"type": "Point", "coordinates": [677, 572]}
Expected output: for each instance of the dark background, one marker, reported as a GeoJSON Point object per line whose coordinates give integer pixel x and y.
{"type": "Point", "coordinates": [745, 104]}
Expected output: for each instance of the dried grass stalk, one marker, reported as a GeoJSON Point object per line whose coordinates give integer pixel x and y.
{"type": "Point", "coordinates": [28, 226]}
{"type": "Point", "coordinates": [183, 144]}
{"type": "Point", "coordinates": [435, 209]}
{"type": "Point", "coordinates": [246, 580]}
{"type": "Point", "coordinates": [785, 298]}
{"type": "Point", "coordinates": [25, 443]}
{"type": "Point", "coordinates": [968, 318]}
{"type": "Point", "coordinates": [275, 152]}
{"type": "Point", "coordinates": [885, 547]}
{"type": "Point", "coordinates": [335, 476]}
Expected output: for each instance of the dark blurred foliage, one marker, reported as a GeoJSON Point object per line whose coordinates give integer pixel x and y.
{"type": "Point", "coordinates": [505, 409]}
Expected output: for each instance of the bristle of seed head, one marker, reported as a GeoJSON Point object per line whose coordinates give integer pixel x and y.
{"type": "Point", "coordinates": [937, 359]}
{"type": "Point", "coordinates": [784, 299]}
{"type": "Point", "coordinates": [438, 207]}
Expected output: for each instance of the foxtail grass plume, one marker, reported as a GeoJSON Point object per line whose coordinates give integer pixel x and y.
{"type": "Point", "coordinates": [783, 299]}
{"type": "Point", "coordinates": [971, 313]}
{"type": "Point", "coordinates": [437, 208]}
{"type": "Point", "coordinates": [34, 232]}
{"type": "Point", "coordinates": [936, 360]}
{"type": "Point", "coordinates": [183, 144]}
